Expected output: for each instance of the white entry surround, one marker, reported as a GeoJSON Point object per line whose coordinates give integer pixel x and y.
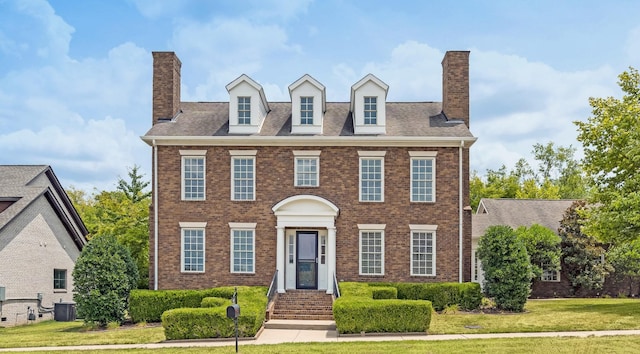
{"type": "Point", "coordinates": [305, 213]}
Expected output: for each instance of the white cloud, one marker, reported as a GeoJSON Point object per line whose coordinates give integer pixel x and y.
{"type": "Point", "coordinates": [232, 47]}
{"type": "Point", "coordinates": [516, 103]}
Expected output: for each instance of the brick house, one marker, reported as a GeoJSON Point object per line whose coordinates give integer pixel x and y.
{"type": "Point", "coordinates": [547, 213]}
{"type": "Point", "coordinates": [365, 190]}
{"type": "Point", "coordinates": [41, 236]}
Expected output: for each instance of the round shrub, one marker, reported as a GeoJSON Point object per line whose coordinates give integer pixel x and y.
{"type": "Point", "coordinates": [506, 267]}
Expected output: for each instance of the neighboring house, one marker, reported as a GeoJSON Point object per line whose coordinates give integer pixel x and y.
{"type": "Point", "coordinates": [41, 236]}
{"type": "Point", "coordinates": [516, 213]}
{"type": "Point", "coordinates": [364, 190]}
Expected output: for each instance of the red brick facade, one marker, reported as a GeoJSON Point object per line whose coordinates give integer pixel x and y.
{"type": "Point", "coordinates": [338, 184]}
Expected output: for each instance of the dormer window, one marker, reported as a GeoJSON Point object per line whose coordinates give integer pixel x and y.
{"type": "Point", "coordinates": [248, 106]}
{"type": "Point", "coordinates": [308, 103]}
{"type": "Point", "coordinates": [244, 110]}
{"type": "Point", "coordinates": [368, 105]}
{"type": "Point", "coordinates": [370, 110]}
{"type": "Point", "coordinates": [306, 110]}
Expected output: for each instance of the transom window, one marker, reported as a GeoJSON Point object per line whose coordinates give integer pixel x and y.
{"type": "Point", "coordinates": [242, 251]}
{"type": "Point", "coordinates": [422, 180]}
{"type": "Point", "coordinates": [244, 110]}
{"type": "Point", "coordinates": [423, 253]}
{"type": "Point", "coordinates": [193, 250]}
{"type": "Point", "coordinates": [193, 176]}
{"type": "Point", "coordinates": [370, 110]}
{"type": "Point", "coordinates": [306, 110]}
{"type": "Point", "coordinates": [243, 178]}
{"type": "Point", "coordinates": [371, 177]}
{"type": "Point", "coordinates": [372, 252]}
{"type": "Point", "coordinates": [59, 279]}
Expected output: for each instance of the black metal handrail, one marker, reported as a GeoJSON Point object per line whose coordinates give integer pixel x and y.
{"type": "Point", "coordinates": [273, 287]}
{"type": "Point", "coordinates": [336, 290]}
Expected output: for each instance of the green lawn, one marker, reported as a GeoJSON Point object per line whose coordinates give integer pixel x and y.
{"type": "Point", "coordinates": [551, 315]}
{"type": "Point", "coordinates": [618, 344]}
{"type": "Point", "coordinates": [540, 316]}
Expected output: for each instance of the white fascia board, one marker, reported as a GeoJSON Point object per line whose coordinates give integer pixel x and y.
{"type": "Point", "coordinates": [253, 140]}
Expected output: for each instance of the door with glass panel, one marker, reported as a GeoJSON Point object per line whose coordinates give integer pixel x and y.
{"type": "Point", "coordinates": [307, 260]}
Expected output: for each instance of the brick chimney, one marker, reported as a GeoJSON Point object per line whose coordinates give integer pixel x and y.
{"type": "Point", "coordinates": [166, 85]}
{"type": "Point", "coordinates": [455, 85]}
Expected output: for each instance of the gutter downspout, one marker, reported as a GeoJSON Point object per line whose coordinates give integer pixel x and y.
{"type": "Point", "coordinates": [155, 215]}
{"type": "Point", "coordinates": [460, 214]}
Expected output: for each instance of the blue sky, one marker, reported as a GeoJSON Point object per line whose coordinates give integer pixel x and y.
{"type": "Point", "coordinates": [75, 76]}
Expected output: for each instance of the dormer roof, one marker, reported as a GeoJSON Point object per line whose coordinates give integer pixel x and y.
{"type": "Point", "coordinates": [364, 80]}
{"type": "Point", "coordinates": [308, 78]}
{"type": "Point", "coordinates": [244, 78]}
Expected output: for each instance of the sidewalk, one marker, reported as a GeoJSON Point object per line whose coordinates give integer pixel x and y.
{"type": "Point", "coordinates": [276, 336]}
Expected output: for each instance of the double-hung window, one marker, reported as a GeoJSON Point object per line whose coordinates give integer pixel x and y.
{"type": "Point", "coordinates": [244, 110]}
{"type": "Point", "coordinates": [243, 247]}
{"type": "Point", "coordinates": [371, 176]}
{"type": "Point", "coordinates": [371, 249]}
{"type": "Point", "coordinates": [243, 170]}
{"type": "Point", "coordinates": [307, 168]}
{"type": "Point", "coordinates": [59, 279]}
{"type": "Point", "coordinates": [423, 168]}
{"type": "Point", "coordinates": [370, 110]}
{"type": "Point", "coordinates": [193, 174]}
{"type": "Point", "coordinates": [306, 110]}
{"type": "Point", "coordinates": [423, 250]}
{"type": "Point", "coordinates": [192, 260]}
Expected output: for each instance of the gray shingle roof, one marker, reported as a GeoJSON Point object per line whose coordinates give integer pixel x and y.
{"type": "Point", "coordinates": [19, 183]}
{"type": "Point", "coordinates": [518, 212]}
{"type": "Point", "coordinates": [403, 119]}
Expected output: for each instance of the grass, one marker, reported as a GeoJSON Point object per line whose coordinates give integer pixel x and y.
{"type": "Point", "coordinates": [618, 344]}
{"type": "Point", "coordinates": [540, 316]}
{"type": "Point", "coordinates": [554, 315]}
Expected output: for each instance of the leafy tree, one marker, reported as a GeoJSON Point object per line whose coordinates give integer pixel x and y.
{"type": "Point", "coordinates": [611, 140]}
{"type": "Point", "coordinates": [124, 213]}
{"type": "Point", "coordinates": [625, 259]}
{"type": "Point", "coordinates": [134, 188]}
{"type": "Point", "coordinates": [543, 247]}
{"type": "Point", "coordinates": [506, 266]}
{"type": "Point", "coordinates": [103, 276]}
{"type": "Point", "coordinates": [582, 256]}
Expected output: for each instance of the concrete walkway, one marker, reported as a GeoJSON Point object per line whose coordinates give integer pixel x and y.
{"type": "Point", "coordinates": [276, 336]}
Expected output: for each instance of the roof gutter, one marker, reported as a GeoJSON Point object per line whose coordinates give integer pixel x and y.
{"type": "Point", "coordinates": [314, 140]}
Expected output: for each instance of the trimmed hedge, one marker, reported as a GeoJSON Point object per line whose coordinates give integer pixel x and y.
{"type": "Point", "coordinates": [212, 321]}
{"type": "Point", "coordinates": [355, 314]}
{"type": "Point", "coordinates": [148, 305]}
{"type": "Point", "coordinates": [386, 292]}
{"type": "Point", "coordinates": [467, 295]}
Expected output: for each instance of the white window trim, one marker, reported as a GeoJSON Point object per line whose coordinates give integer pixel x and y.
{"type": "Point", "coordinates": [66, 279]}
{"type": "Point", "coordinates": [243, 154]}
{"type": "Point", "coordinates": [187, 154]}
{"type": "Point", "coordinates": [193, 226]}
{"type": "Point", "coordinates": [423, 228]}
{"type": "Point", "coordinates": [307, 155]}
{"type": "Point", "coordinates": [371, 155]}
{"type": "Point", "coordinates": [542, 278]}
{"type": "Point", "coordinates": [423, 155]}
{"type": "Point", "coordinates": [242, 227]}
{"type": "Point", "coordinates": [371, 228]}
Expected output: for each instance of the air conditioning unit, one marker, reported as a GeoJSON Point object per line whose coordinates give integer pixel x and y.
{"type": "Point", "coordinates": [64, 311]}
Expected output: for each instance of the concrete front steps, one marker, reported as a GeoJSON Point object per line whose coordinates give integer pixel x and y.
{"type": "Point", "coordinates": [302, 305]}
{"type": "Point", "coordinates": [314, 325]}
